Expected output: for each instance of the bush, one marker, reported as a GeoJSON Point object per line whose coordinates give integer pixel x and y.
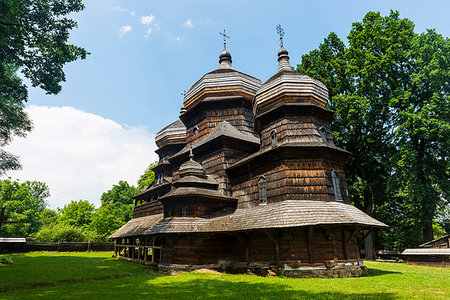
{"type": "Point", "coordinates": [5, 260]}
{"type": "Point", "coordinates": [61, 232]}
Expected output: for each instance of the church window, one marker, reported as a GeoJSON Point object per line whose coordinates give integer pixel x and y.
{"type": "Point", "coordinates": [169, 212]}
{"type": "Point", "coordinates": [159, 178]}
{"type": "Point", "coordinates": [322, 134]}
{"type": "Point", "coordinates": [336, 186]}
{"type": "Point", "coordinates": [184, 211]}
{"type": "Point", "coordinates": [195, 131]}
{"type": "Point", "coordinates": [262, 190]}
{"type": "Point", "coordinates": [274, 138]}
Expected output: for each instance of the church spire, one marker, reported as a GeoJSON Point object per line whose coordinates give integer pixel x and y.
{"type": "Point", "coordinates": [225, 56]}
{"type": "Point", "coordinates": [283, 57]}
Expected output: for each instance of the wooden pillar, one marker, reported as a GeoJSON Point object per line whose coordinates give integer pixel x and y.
{"type": "Point", "coordinates": [275, 241]}
{"type": "Point", "coordinates": [145, 249]}
{"type": "Point", "coordinates": [309, 234]}
{"type": "Point", "coordinates": [344, 245]}
{"type": "Point", "coordinates": [153, 249]}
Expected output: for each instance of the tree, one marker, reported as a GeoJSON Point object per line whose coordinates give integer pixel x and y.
{"type": "Point", "coordinates": [120, 193]}
{"type": "Point", "coordinates": [147, 178]}
{"type": "Point", "coordinates": [33, 37]}
{"type": "Point", "coordinates": [77, 213]}
{"type": "Point", "coordinates": [389, 89]}
{"type": "Point", "coordinates": [24, 202]}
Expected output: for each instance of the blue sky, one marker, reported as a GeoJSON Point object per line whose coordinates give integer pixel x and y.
{"type": "Point", "coordinates": [137, 80]}
{"type": "Point", "coordinates": [144, 54]}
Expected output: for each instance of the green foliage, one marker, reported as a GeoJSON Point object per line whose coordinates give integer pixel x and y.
{"type": "Point", "coordinates": [77, 213]}
{"type": "Point", "coordinates": [33, 37]}
{"type": "Point", "coordinates": [108, 219]}
{"type": "Point", "coordinates": [389, 89]}
{"type": "Point", "coordinates": [24, 203]}
{"type": "Point", "coordinates": [6, 260]}
{"type": "Point", "coordinates": [61, 232]}
{"type": "Point", "coordinates": [147, 178]}
{"type": "Point", "coordinates": [121, 193]}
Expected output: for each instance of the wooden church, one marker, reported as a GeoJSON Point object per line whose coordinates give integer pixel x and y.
{"type": "Point", "coordinates": [249, 179]}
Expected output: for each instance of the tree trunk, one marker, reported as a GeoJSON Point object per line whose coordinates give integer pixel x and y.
{"type": "Point", "coordinates": [369, 246]}
{"type": "Point", "coordinates": [368, 241]}
{"type": "Point", "coordinates": [427, 231]}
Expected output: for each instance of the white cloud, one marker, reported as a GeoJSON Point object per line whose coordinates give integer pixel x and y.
{"type": "Point", "coordinates": [80, 155]}
{"type": "Point", "coordinates": [132, 13]}
{"type": "Point", "coordinates": [147, 19]}
{"type": "Point", "coordinates": [149, 30]}
{"type": "Point", "coordinates": [124, 29]}
{"type": "Point", "coordinates": [188, 24]}
{"type": "Point", "coordinates": [177, 38]}
{"type": "Point", "coordinates": [119, 8]}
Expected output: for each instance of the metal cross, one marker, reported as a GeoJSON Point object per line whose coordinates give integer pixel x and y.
{"type": "Point", "coordinates": [225, 37]}
{"type": "Point", "coordinates": [280, 31]}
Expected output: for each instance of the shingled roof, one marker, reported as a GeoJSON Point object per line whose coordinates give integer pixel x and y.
{"type": "Point", "coordinates": [223, 129]}
{"type": "Point", "coordinates": [137, 226]}
{"type": "Point", "coordinates": [290, 213]}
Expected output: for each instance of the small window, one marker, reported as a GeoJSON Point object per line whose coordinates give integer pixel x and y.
{"type": "Point", "coordinates": [262, 190]}
{"type": "Point", "coordinates": [159, 178]}
{"type": "Point", "coordinates": [184, 211]}
{"type": "Point", "coordinates": [336, 186]}
{"type": "Point", "coordinates": [323, 134]}
{"type": "Point", "coordinates": [195, 131]}
{"type": "Point", "coordinates": [274, 139]}
{"type": "Point", "coordinates": [169, 212]}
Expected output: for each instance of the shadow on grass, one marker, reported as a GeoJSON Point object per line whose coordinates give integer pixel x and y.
{"type": "Point", "coordinates": [372, 272]}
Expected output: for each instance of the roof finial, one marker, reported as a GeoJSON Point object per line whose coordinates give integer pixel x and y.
{"type": "Point", "coordinates": [225, 37]}
{"type": "Point", "coordinates": [225, 56]}
{"type": "Point", "coordinates": [191, 155]}
{"type": "Point", "coordinates": [283, 57]}
{"type": "Point", "coordinates": [183, 109]}
{"type": "Point", "coordinates": [280, 31]}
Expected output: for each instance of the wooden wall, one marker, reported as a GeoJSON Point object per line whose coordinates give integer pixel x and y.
{"type": "Point", "coordinates": [327, 243]}
{"type": "Point", "coordinates": [149, 208]}
{"type": "Point", "coordinates": [295, 129]}
{"type": "Point", "coordinates": [240, 117]}
{"type": "Point", "coordinates": [290, 179]}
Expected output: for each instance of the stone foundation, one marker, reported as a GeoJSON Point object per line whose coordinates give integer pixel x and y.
{"type": "Point", "coordinates": [329, 269]}
{"type": "Point", "coordinates": [339, 270]}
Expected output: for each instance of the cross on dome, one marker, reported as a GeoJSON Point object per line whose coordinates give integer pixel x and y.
{"type": "Point", "coordinates": [280, 32]}
{"type": "Point", "coordinates": [225, 37]}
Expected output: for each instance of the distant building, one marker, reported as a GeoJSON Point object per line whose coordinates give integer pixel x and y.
{"type": "Point", "coordinates": [249, 178]}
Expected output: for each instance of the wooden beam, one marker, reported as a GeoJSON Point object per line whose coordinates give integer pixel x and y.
{"type": "Point", "coordinates": [355, 231]}
{"type": "Point", "coordinates": [365, 235]}
{"type": "Point", "coordinates": [344, 245]}
{"type": "Point", "coordinates": [309, 234]}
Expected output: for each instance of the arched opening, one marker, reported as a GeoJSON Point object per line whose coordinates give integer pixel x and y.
{"type": "Point", "coordinates": [336, 186]}
{"type": "Point", "coordinates": [195, 131]}
{"type": "Point", "coordinates": [262, 190]}
{"type": "Point", "coordinates": [323, 134]}
{"type": "Point", "coordinates": [274, 138]}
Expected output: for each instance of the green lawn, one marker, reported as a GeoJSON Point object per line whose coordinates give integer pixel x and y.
{"type": "Point", "coordinates": [53, 275]}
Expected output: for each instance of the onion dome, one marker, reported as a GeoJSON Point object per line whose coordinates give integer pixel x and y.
{"type": "Point", "coordinates": [192, 168]}
{"type": "Point", "coordinates": [288, 86]}
{"type": "Point", "coordinates": [174, 133]}
{"type": "Point", "coordinates": [224, 81]}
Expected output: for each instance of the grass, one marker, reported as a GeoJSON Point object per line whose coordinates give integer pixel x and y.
{"type": "Point", "coordinates": [52, 275]}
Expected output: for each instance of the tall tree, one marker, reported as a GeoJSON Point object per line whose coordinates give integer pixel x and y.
{"type": "Point", "coordinates": [33, 37]}
{"type": "Point", "coordinates": [147, 178]}
{"type": "Point", "coordinates": [77, 213]}
{"type": "Point", "coordinates": [24, 202]}
{"type": "Point", "coordinates": [378, 86]}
